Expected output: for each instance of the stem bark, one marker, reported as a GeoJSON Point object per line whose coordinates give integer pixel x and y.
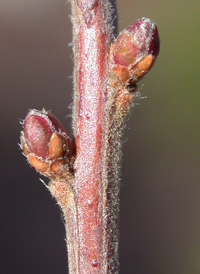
{"type": "Point", "coordinates": [97, 215]}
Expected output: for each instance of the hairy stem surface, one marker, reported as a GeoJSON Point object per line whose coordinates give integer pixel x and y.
{"type": "Point", "coordinates": [93, 33]}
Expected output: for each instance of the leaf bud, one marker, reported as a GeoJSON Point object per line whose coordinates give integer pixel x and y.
{"type": "Point", "coordinates": [45, 142]}
{"type": "Point", "coordinates": [134, 51]}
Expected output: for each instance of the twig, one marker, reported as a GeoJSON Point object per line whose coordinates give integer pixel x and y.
{"type": "Point", "coordinates": [84, 176]}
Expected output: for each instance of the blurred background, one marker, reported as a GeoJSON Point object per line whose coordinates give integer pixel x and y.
{"type": "Point", "coordinates": [160, 187]}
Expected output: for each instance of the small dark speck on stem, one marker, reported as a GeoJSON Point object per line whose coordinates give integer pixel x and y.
{"type": "Point", "coordinates": [94, 263]}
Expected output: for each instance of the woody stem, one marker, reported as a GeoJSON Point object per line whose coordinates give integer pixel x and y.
{"type": "Point", "coordinates": [93, 33]}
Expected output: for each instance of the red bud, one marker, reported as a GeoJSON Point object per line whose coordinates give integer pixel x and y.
{"type": "Point", "coordinates": [45, 141]}
{"type": "Point", "coordinates": [132, 47]}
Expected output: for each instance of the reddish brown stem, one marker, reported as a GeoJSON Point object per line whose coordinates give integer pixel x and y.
{"type": "Point", "coordinates": [92, 38]}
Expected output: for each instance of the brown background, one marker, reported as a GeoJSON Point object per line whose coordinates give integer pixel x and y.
{"type": "Point", "coordinates": [160, 188]}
